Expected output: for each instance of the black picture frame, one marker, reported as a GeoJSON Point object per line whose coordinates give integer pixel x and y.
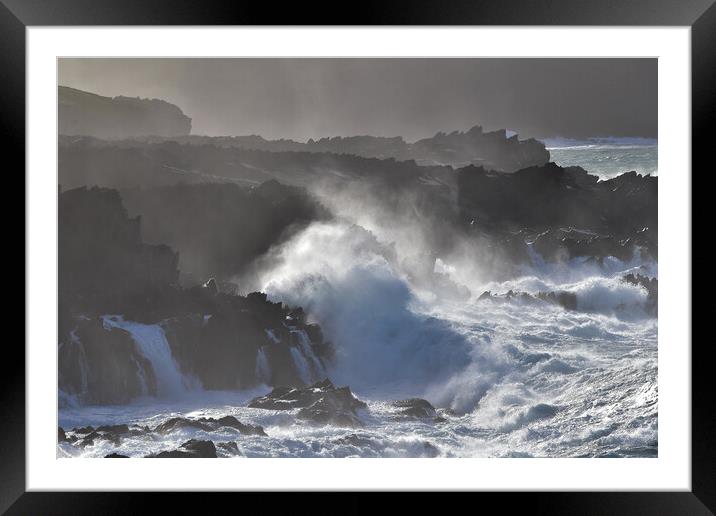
{"type": "Point", "coordinates": [700, 15]}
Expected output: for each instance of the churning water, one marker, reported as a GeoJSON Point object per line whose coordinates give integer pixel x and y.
{"type": "Point", "coordinates": [607, 157]}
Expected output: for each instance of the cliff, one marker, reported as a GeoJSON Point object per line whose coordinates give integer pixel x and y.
{"type": "Point", "coordinates": [127, 329]}
{"type": "Point", "coordinates": [84, 113]}
{"type": "Point", "coordinates": [493, 149]}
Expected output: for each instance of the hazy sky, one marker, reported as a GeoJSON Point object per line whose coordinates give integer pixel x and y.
{"type": "Point", "coordinates": [414, 98]}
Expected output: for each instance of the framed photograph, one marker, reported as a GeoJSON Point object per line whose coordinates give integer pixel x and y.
{"type": "Point", "coordinates": [414, 248]}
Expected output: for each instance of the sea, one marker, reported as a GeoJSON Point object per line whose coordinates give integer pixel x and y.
{"type": "Point", "coordinates": [606, 157]}
{"type": "Point", "coordinates": [509, 379]}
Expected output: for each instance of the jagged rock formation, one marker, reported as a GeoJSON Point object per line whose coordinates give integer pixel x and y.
{"type": "Point", "coordinates": [204, 423]}
{"type": "Point", "coordinates": [193, 448]}
{"type": "Point", "coordinates": [166, 338]}
{"type": "Point", "coordinates": [103, 262]}
{"type": "Point", "coordinates": [230, 342]}
{"type": "Point", "coordinates": [493, 150]}
{"type": "Point", "coordinates": [222, 341]}
{"type": "Point", "coordinates": [132, 163]}
{"type": "Point", "coordinates": [321, 403]}
{"type": "Point", "coordinates": [116, 435]}
{"type": "Point", "coordinates": [103, 365]}
{"type": "Point", "coordinates": [219, 229]}
{"type": "Point", "coordinates": [652, 288]}
{"type": "Point", "coordinates": [416, 407]}
{"type": "Point", "coordinates": [561, 212]}
{"type": "Point", "coordinates": [84, 113]}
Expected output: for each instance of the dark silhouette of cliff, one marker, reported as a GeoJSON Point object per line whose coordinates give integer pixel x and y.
{"type": "Point", "coordinates": [84, 113]}
{"type": "Point", "coordinates": [219, 229]}
{"type": "Point", "coordinates": [125, 164]}
{"type": "Point", "coordinates": [105, 268]}
{"type": "Point", "coordinates": [562, 211]}
{"type": "Point", "coordinates": [492, 149]}
{"type": "Point", "coordinates": [103, 262]}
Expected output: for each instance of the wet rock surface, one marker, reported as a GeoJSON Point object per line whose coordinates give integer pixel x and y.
{"type": "Point", "coordinates": [321, 403]}
{"type": "Point", "coordinates": [207, 424]}
{"type": "Point", "coordinates": [561, 212]}
{"type": "Point", "coordinates": [229, 448]}
{"type": "Point", "coordinates": [214, 336]}
{"type": "Point", "coordinates": [416, 407]}
{"type": "Point", "coordinates": [192, 448]}
{"type": "Point", "coordinates": [652, 288]}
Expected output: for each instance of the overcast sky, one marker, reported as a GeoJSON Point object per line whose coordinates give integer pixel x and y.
{"type": "Point", "coordinates": [414, 98]}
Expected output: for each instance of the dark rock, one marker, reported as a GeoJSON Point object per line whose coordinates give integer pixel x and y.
{"type": "Point", "coordinates": [232, 422]}
{"type": "Point", "coordinates": [83, 430]}
{"type": "Point", "coordinates": [229, 447]}
{"type": "Point", "coordinates": [89, 439]}
{"type": "Point", "coordinates": [177, 423]}
{"type": "Point", "coordinates": [652, 288]}
{"type": "Point", "coordinates": [218, 229]}
{"type": "Point", "coordinates": [103, 365]}
{"type": "Point", "coordinates": [84, 113]}
{"type": "Point", "coordinates": [567, 300]}
{"type": "Point", "coordinates": [356, 440]}
{"type": "Point", "coordinates": [321, 403]}
{"type": "Point", "coordinates": [330, 410]}
{"type": "Point", "coordinates": [191, 449]}
{"type": "Point", "coordinates": [287, 398]}
{"type": "Point", "coordinates": [61, 436]}
{"type": "Point", "coordinates": [545, 205]}
{"type": "Point", "coordinates": [214, 336]}
{"type": "Point", "coordinates": [116, 456]}
{"type": "Point", "coordinates": [205, 423]}
{"type": "Point", "coordinates": [429, 450]}
{"type": "Point", "coordinates": [106, 267]}
{"type": "Point", "coordinates": [114, 429]}
{"type": "Point", "coordinates": [416, 407]}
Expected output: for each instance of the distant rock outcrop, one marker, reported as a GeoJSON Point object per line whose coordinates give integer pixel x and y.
{"type": "Point", "coordinates": [561, 212]}
{"type": "Point", "coordinates": [84, 113]}
{"type": "Point", "coordinates": [492, 149]}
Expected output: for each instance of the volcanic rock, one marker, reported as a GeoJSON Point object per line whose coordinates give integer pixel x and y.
{"type": "Point", "coordinates": [416, 407]}
{"type": "Point", "coordinates": [321, 403]}
{"type": "Point", "coordinates": [192, 448]}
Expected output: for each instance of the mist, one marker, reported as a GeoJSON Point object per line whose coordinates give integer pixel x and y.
{"type": "Point", "coordinates": [468, 294]}
{"type": "Point", "coordinates": [414, 98]}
